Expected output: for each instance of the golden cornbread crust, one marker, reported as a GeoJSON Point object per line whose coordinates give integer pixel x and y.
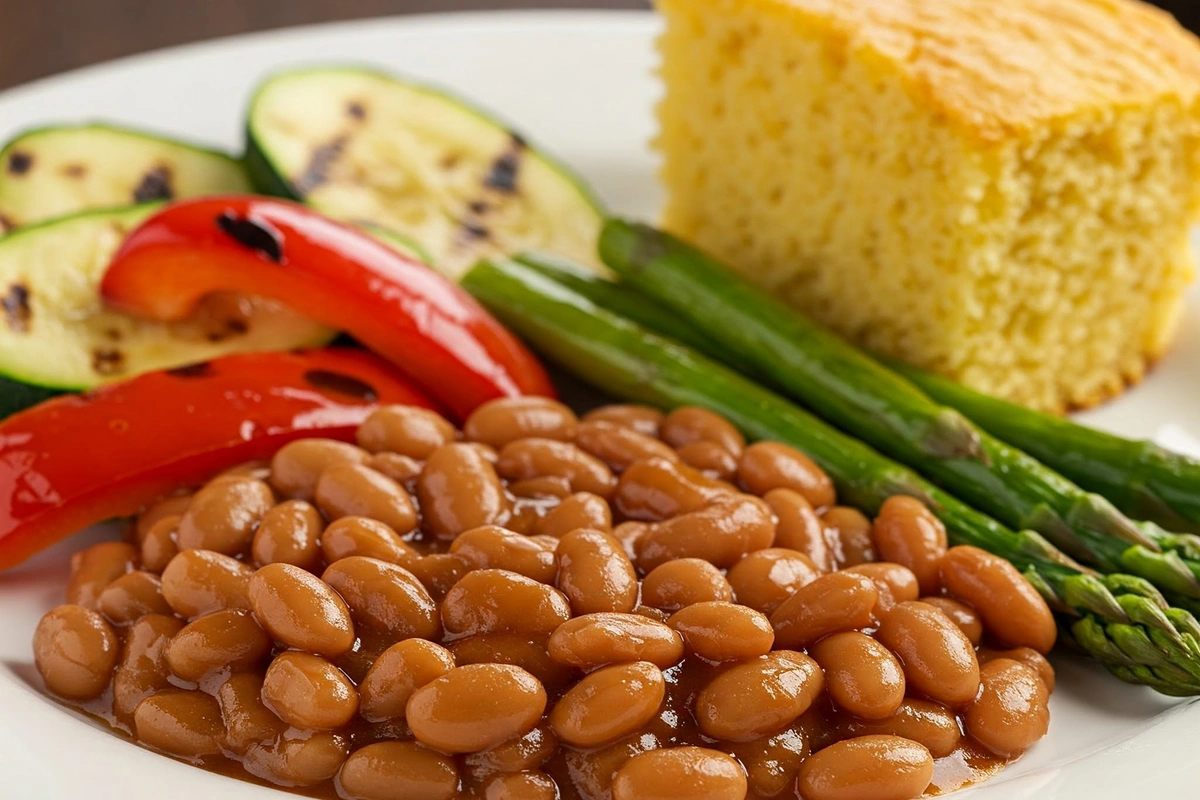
{"type": "Point", "coordinates": [1001, 192]}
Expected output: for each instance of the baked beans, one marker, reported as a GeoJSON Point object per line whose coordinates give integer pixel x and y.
{"type": "Point", "coordinates": [430, 614]}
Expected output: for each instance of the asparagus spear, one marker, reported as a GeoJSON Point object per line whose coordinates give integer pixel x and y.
{"type": "Point", "coordinates": [1140, 478]}
{"type": "Point", "coordinates": [1120, 620]}
{"type": "Point", "coordinates": [847, 387]}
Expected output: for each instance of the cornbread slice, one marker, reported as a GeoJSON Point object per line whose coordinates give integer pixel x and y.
{"type": "Point", "coordinates": [999, 191]}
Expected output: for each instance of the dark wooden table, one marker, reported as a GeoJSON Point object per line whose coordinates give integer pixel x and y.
{"type": "Point", "coordinates": [41, 37]}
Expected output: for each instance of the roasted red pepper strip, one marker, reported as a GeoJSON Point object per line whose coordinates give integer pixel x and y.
{"type": "Point", "coordinates": [431, 329]}
{"type": "Point", "coordinates": [77, 460]}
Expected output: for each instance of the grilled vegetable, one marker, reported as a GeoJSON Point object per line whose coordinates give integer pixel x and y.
{"type": "Point", "coordinates": [427, 326]}
{"type": "Point", "coordinates": [55, 332]}
{"type": "Point", "coordinates": [363, 146]}
{"type": "Point", "coordinates": [52, 172]}
{"type": "Point", "coordinates": [1120, 620]}
{"type": "Point", "coordinates": [75, 461]}
{"type": "Point", "coordinates": [1142, 479]}
{"type": "Point", "coordinates": [847, 387]}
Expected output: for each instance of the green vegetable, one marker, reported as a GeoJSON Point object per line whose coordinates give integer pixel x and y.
{"type": "Point", "coordinates": [52, 172]}
{"type": "Point", "coordinates": [16, 396]}
{"type": "Point", "coordinates": [367, 147]}
{"type": "Point", "coordinates": [1142, 479]}
{"type": "Point", "coordinates": [856, 393]}
{"type": "Point", "coordinates": [54, 332]}
{"type": "Point", "coordinates": [1120, 620]}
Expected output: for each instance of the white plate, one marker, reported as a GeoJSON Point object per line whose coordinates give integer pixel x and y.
{"type": "Point", "coordinates": [581, 84]}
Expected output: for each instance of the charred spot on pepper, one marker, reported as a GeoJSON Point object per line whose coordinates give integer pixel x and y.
{"type": "Point", "coordinates": [17, 309]}
{"type": "Point", "coordinates": [478, 207]}
{"type": "Point", "coordinates": [155, 185]}
{"type": "Point", "coordinates": [340, 383]}
{"type": "Point", "coordinates": [108, 361]}
{"type": "Point", "coordinates": [356, 110]}
{"type": "Point", "coordinates": [322, 159]}
{"type": "Point", "coordinates": [258, 236]}
{"type": "Point", "coordinates": [473, 230]}
{"type": "Point", "coordinates": [200, 370]}
{"type": "Point", "coordinates": [19, 162]}
{"type": "Point", "coordinates": [505, 172]}
{"type": "Point", "coordinates": [75, 171]}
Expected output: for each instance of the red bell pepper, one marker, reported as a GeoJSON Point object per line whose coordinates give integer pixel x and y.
{"type": "Point", "coordinates": [429, 327]}
{"type": "Point", "coordinates": [76, 460]}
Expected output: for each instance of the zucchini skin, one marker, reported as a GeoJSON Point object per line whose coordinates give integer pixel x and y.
{"type": "Point", "coordinates": [16, 396]}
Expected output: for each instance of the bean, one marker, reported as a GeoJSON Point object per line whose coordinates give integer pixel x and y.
{"type": "Point", "coordinates": [459, 490]}
{"type": "Point", "coordinates": [363, 536]}
{"type": "Point", "coordinates": [757, 697]}
{"type": "Point", "coordinates": [297, 758]}
{"type": "Point", "coordinates": [405, 430]}
{"type": "Point", "coordinates": [651, 613]}
{"type": "Point", "coordinates": [398, 771]}
{"type": "Point", "coordinates": [866, 768]}
{"type": "Point", "coordinates": [656, 489]}
{"type": "Point", "coordinates": [167, 507]}
{"type": "Point", "coordinates": [541, 488]}
{"type": "Point", "coordinates": [519, 786]}
{"type": "Point", "coordinates": [765, 578]}
{"type": "Point", "coordinates": [642, 419]}
{"type": "Point", "coordinates": [690, 424]}
{"type": "Point", "coordinates": [711, 459]}
{"type": "Point", "coordinates": [675, 772]}
{"type": "Point", "coordinates": [198, 582]}
{"type": "Point", "coordinates": [719, 631]}
{"type": "Point", "coordinates": [579, 510]}
{"type": "Point", "coordinates": [297, 466]}
{"type": "Point", "coordinates": [679, 583]}
{"type": "Point", "coordinates": [961, 615]}
{"type": "Point", "coordinates": [181, 723]}
{"type": "Point", "coordinates": [401, 469]}
{"type": "Point", "coordinates": [527, 752]}
{"type": "Point", "coordinates": [923, 721]}
{"type": "Point", "coordinates": [308, 692]}
{"type": "Point", "coordinates": [475, 707]}
{"type": "Point", "coordinates": [159, 545]}
{"type": "Point", "coordinates": [1011, 609]}
{"type": "Point", "coordinates": [93, 569]}
{"type": "Point", "coordinates": [609, 703]}
{"type": "Point", "coordinates": [595, 574]}
{"type": "Point", "coordinates": [75, 651]}
{"type": "Point", "coordinates": [384, 598]}
{"type": "Point", "coordinates": [300, 610]}
{"type": "Point", "coordinates": [939, 661]}
{"type": "Point", "coordinates": [224, 515]}
{"type": "Point", "coordinates": [531, 458]}
{"type": "Point", "coordinates": [799, 528]}
{"type": "Point", "coordinates": [506, 419]}
{"type": "Point", "coordinates": [227, 639]}
{"type": "Point", "coordinates": [143, 669]}
{"type": "Point", "coordinates": [493, 547]}
{"type": "Point", "coordinates": [839, 601]}
{"type": "Point", "coordinates": [498, 601]}
{"type": "Point", "coordinates": [593, 640]}
{"type": "Point", "coordinates": [907, 532]}
{"type": "Point", "coordinates": [773, 465]}
{"type": "Point", "coordinates": [131, 597]}
{"type": "Point", "coordinates": [256, 470]}
{"type": "Point", "coordinates": [1011, 712]}
{"type": "Point", "coordinates": [289, 534]}
{"type": "Point", "coordinates": [246, 719]}
{"type": "Point", "coordinates": [722, 533]}
{"type": "Point", "coordinates": [438, 572]}
{"type": "Point", "coordinates": [525, 516]}
{"type": "Point", "coordinates": [618, 446]}
{"type": "Point", "coordinates": [1027, 656]}
{"type": "Point", "coordinates": [398, 672]}
{"type": "Point", "coordinates": [519, 650]}
{"type": "Point", "coordinates": [849, 532]}
{"type": "Point", "coordinates": [356, 490]}
{"type": "Point", "coordinates": [629, 534]}
{"type": "Point", "coordinates": [862, 676]}
{"type": "Point", "coordinates": [895, 583]}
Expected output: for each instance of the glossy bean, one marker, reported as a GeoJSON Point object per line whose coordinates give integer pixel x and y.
{"type": "Point", "coordinates": [224, 515]}
{"type": "Point", "coordinates": [398, 771]}
{"type": "Point", "coordinates": [227, 639]}
{"type": "Point", "coordinates": [475, 707]}
{"type": "Point", "coordinates": [199, 582]}
{"type": "Point", "coordinates": [75, 650]}
{"type": "Point", "coordinates": [301, 610]}
{"type": "Point", "coordinates": [363, 536]}
{"type": "Point", "coordinates": [507, 419]}
{"type": "Point", "coordinates": [459, 490]}
{"type": "Point", "coordinates": [384, 598]}
{"type": "Point", "coordinates": [1011, 712]}
{"type": "Point", "coordinates": [711, 459]}
{"type": "Point", "coordinates": [531, 458]}
{"type": "Point", "coordinates": [155, 513]}
{"type": "Point", "coordinates": [939, 661]}
{"type": "Point", "coordinates": [131, 597]}
{"type": "Point", "coordinates": [765, 578]}
{"type": "Point", "coordinates": [720, 631]}
{"type": "Point", "coordinates": [609, 703]}
{"type": "Point", "coordinates": [356, 490]}
{"type": "Point", "coordinates": [526, 752]}
{"type": "Point", "coordinates": [961, 615]}
{"type": "Point", "coordinates": [297, 758]}
{"type": "Point", "coordinates": [1027, 656]}
{"type": "Point", "coordinates": [289, 533]}
{"type": "Point", "coordinates": [297, 466]}
{"type": "Point", "coordinates": [1011, 609]}
{"type": "Point", "coordinates": [923, 721]}
{"type": "Point", "coordinates": [498, 601]}
{"type": "Point", "coordinates": [158, 545]}
{"type": "Point", "coordinates": [675, 772]}
{"type": "Point", "coordinates": [246, 718]}
{"type": "Point", "coordinates": [438, 572]}
{"type": "Point", "coordinates": [398, 672]}
{"type": "Point", "coordinates": [519, 786]}
{"type": "Point", "coordinates": [656, 489]}
{"type": "Point", "coordinates": [799, 528]}
{"type": "Point", "coordinates": [848, 531]}
{"type": "Point", "coordinates": [93, 569]}
{"type": "Point", "coordinates": [493, 547]}
{"type": "Point", "coordinates": [759, 696]}
{"type": "Point", "coordinates": [908, 533]}
{"type": "Point", "coordinates": [773, 465]}
{"type": "Point", "coordinates": [895, 583]}
{"type": "Point", "coordinates": [689, 424]}
{"type": "Point", "coordinates": [866, 768]}
{"type": "Point", "coordinates": [405, 430]}
{"type": "Point", "coordinates": [308, 692]}
{"type": "Point", "coordinates": [721, 532]}
{"type": "Point", "coordinates": [595, 574]}
{"type": "Point", "coordinates": [618, 446]}
{"type": "Point", "coordinates": [401, 469]}
{"type": "Point", "coordinates": [679, 583]}
{"type": "Point", "coordinates": [181, 723]}
{"type": "Point", "coordinates": [861, 675]}
{"type": "Point", "coordinates": [579, 510]}
{"type": "Point", "coordinates": [143, 669]}
{"type": "Point", "coordinates": [519, 650]}
{"type": "Point", "coordinates": [839, 601]}
{"type": "Point", "coordinates": [593, 640]}
{"type": "Point", "coordinates": [642, 419]}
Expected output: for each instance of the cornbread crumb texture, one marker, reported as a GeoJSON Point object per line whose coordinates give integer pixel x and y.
{"type": "Point", "coordinates": [999, 191]}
